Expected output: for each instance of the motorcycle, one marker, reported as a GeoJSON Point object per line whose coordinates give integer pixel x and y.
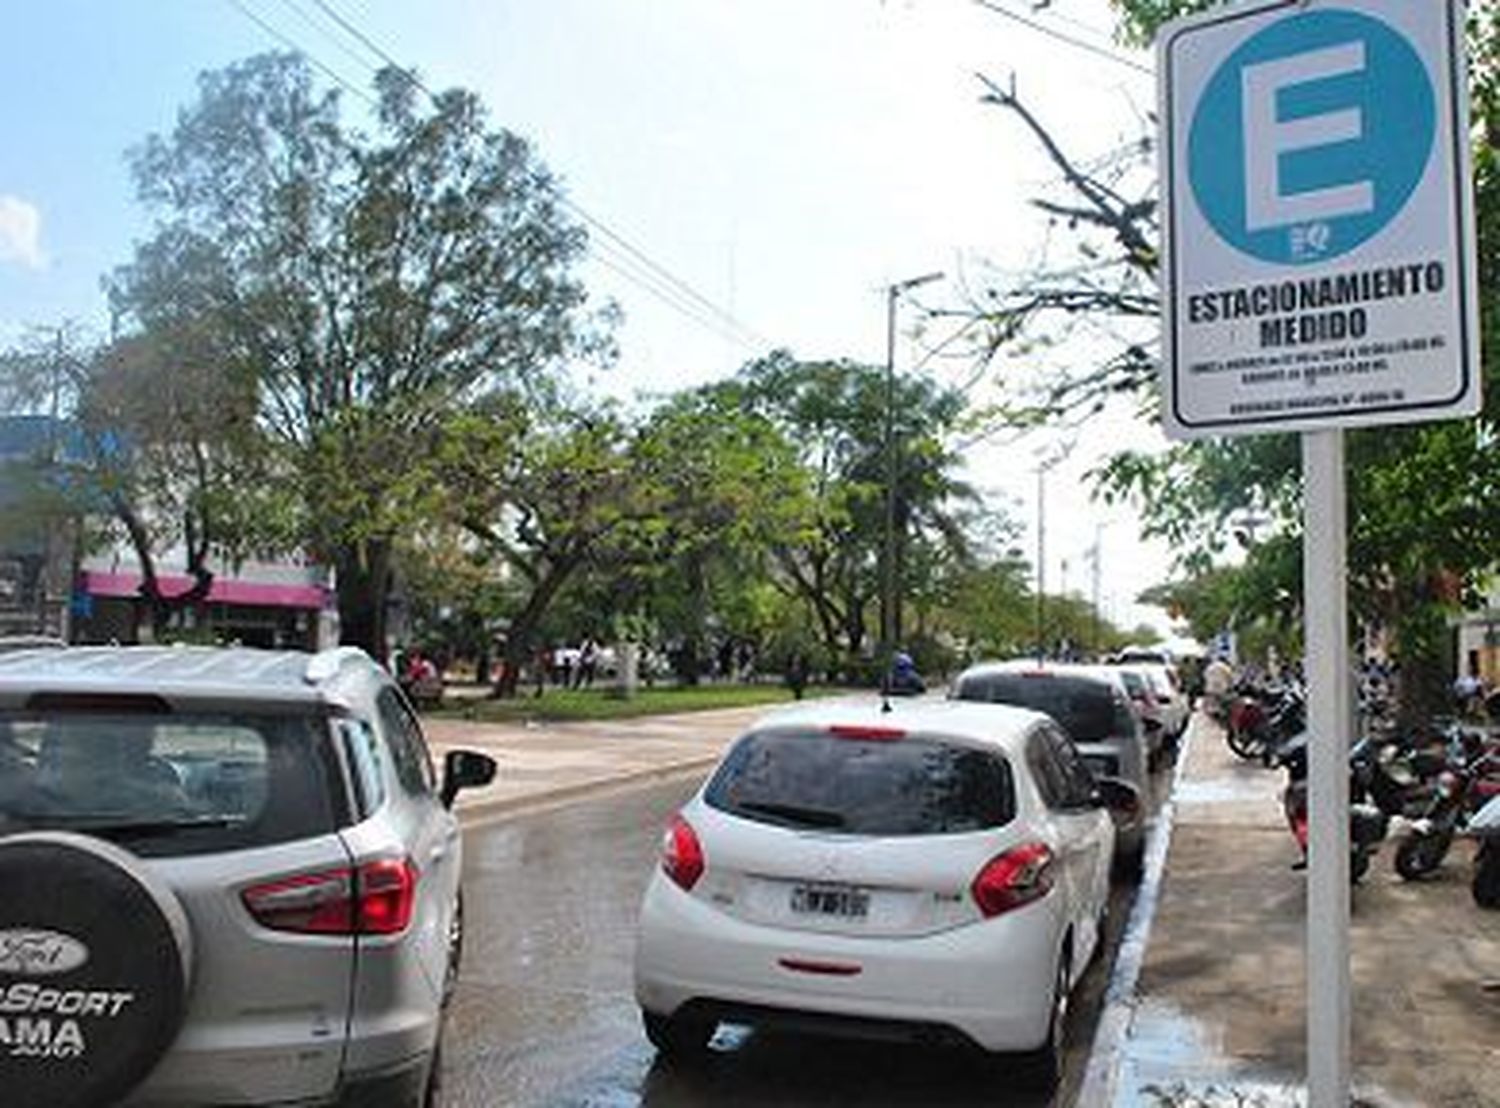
{"type": "Point", "coordinates": [1485, 828]}
{"type": "Point", "coordinates": [1367, 823]}
{"type": "Point", "coordinates": [1261, 721]}
{"type": "Point", "coordinates": [1462, 789]}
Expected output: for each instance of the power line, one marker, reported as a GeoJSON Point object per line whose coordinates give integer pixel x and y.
{"type": "Point", "coordinates": [573, 206]}
{"type": "Point", "coordinates": [292, 44]}
{"type": "Point", "coordinates": [1042, 28]}
{"type": "Point", "coordinates": [612, 249]}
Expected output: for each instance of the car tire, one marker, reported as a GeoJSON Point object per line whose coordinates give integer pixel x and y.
{"type": "Point", "coordinates": [432, 1090]}
{"type": "Point", "coordinates": [1042, 1069]}
{"type": "Point", "coordinates": [455, 952]}
{"type": "Point", "coordinates": [1486, 885]}
{"type": "Point", "coordinates": [679, 1039]}
{"type": "Point", "coordinates": [1130, 865]}
{"type": "Point", "coordinates": [82, 918]}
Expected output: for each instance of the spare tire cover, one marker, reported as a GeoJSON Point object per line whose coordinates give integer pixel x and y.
{"type": "Point", "coordinates": [94, 967]}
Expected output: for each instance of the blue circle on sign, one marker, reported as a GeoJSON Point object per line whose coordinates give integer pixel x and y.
{"type": "Point", "coordinates": [1311, 136]}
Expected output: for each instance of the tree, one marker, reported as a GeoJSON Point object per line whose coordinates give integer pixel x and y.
{"type": "Point", "coordinates": [162, 444]}
{"type": "Point", "coordinates": [725, 488]}
{"type": "Point", "coordinates": [1401, 545]}
{"type": "Point", "coordinates": [371, 284]}
{"type": "Point", "coordinates": [544, 495]}
{"type": "Point", "coordinates": [834, 412]}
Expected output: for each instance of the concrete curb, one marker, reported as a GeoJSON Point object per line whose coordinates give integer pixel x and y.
{"type": "Point", "coordinates": [483, 812]}
{"type": "Point", "coordinates": [1102, 1076]}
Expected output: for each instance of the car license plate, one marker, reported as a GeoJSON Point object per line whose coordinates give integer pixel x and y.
{"type": "Point", "coordinates": [843, 901]}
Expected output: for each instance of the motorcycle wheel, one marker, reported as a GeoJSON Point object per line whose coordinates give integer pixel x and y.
{"type": "Point", "coordinates": [1486, 887]}
{"type": "Point", "coordinates": [1246, 744]}
{"type": "Point", "coordinates": [1419, 855]}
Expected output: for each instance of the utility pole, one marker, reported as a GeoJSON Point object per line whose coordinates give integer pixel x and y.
{"type": "Point", "coordinates": [1041, 560]}
{"type": "Point", "coordinates": [890, 609]}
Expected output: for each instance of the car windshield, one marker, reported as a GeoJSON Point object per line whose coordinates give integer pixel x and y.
{"type": "Point", "coordinates": [817, 781]}
{"type": "Point", "coordinates": [187, 782]}
{"type": "Point", "coordinates": [1085, 708]}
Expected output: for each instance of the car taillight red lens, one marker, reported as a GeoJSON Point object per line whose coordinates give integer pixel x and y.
{"type": "Point", "coordinates": [1016, 877]}
{"type": "Point", "coordinates": [377, 898]}
{"type": "Point", "coordinates": [876, 734]}
{"type": "Point", "coordinates": [387, 895]}
{"type": "Point", "coordinates": [682, 854]}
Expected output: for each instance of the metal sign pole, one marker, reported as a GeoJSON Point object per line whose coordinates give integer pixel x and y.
{"type": "Point", "coordinates": [1327, 650]}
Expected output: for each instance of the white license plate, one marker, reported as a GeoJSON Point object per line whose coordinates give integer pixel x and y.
{"type": "Point", "coordinates": [842, 901]}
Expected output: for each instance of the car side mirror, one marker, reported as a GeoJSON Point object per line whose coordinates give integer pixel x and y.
{"type": "Point", "coordinates": [1121, 798]}
{"type": "Point", "coordinates": [465, 769]}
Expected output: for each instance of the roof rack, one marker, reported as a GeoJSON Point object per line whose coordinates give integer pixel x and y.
{"type": "Point", "coordinates": [327, 663]}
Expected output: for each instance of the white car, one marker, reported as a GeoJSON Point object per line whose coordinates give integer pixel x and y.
{"type": "Point", "coordinates": [938, 873]}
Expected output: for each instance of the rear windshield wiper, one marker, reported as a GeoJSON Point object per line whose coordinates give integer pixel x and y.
{"type": "Point", "coordinates": [809, 817]}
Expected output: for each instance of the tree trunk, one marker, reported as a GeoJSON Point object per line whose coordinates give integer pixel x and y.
{"type": "Point", "coordinates": [519, 636]}
{"type": "Point", "coordinates": [690, 667]}
{"type": "Point", "coordinates": [364, 579]}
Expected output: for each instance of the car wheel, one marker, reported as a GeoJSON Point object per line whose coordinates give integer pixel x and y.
{"type": "Point", "coordinates": [455, 952]}
{"type": "Point", "coordinates": [1043, 1067]}
{"type": "Point", "coordinates": [1130, 864]}
{"type": "Point", "coordinates": [1486, 884]}
{"type": "Point", "coordinates": [432, 1093]}
{"type": "Point", "coordinates": [679, 1039]}
{"type": "Point", "coordinates": [85, 918]}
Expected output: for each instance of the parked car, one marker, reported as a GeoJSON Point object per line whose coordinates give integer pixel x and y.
{"type": "Point", "coordinates": [231, 877]}
{"type": "Point", "coordinates": [938, 873]}
{"type": "Point", "coordinates": [1153, 712]}
{"type": "Point", "coordinates": [1093, 708]}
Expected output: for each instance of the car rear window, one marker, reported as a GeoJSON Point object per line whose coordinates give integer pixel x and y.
{"type": "Point", "coordinates": [909, 786]}
{"type": "Point", "coordinates": [166, 784]}
{"type": "Point", "coordinates": [1086, 709]}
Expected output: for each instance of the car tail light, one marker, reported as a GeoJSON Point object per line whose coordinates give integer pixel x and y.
{"type": "Point", "coordinates": [1016, 877]}
{"type": "Point", "coordinates": [376, 898]}
{"type": "Point", "coordinates": [879, 734]}
{"type": "Point", "coordinates": [682, 854]}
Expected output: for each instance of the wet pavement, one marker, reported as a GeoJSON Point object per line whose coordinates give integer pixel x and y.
{"type": "Point", "coordinates": [545, 1013]}
{"type": "Point", "coordinates": [1218, 1013]}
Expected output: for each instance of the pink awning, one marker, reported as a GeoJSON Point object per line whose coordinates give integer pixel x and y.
{"type": "Point", "coordinates": [225, 590]}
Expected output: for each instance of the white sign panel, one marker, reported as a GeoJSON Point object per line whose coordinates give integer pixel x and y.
{"type": "Point", "coordinates": [1319, 243]}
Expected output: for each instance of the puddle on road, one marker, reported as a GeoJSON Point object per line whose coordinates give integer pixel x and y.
{"type": "Point", "coordinates": [1174, 1061]}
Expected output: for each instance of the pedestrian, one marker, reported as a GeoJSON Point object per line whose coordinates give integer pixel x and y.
{"type": "Point", "coordinates": [796, 673]}
{"type": "Point", "coordinates": [1218, 678]}
{"type": "Point", "coordinates": [588, 663]}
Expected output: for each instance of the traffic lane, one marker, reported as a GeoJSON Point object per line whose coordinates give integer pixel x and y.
{"type": "Point", "coordinates": [545, 1012]}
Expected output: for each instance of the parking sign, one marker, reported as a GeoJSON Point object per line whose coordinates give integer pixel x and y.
{"type": "Point", "coordinates": [1319, 246]}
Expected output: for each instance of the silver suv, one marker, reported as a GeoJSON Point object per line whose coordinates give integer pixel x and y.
{"type": "Point", "coordinates": [231, 877]}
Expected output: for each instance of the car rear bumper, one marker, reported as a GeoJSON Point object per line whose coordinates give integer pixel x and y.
{"type": "Point", "coordinates": [990, 981]}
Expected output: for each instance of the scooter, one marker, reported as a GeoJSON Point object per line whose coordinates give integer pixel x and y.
{"type": "Point", "coordinates": [1485, 828]}
{"type": "Point", "coordinates": [1367, 823]}
{"type": "Point", "coordinates": [1462, 789]}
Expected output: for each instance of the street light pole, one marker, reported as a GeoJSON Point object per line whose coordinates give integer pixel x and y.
{"type": "Point", "coordinates": [890, 618]}
{"type": "Point", "coordinates": [1041, 559]}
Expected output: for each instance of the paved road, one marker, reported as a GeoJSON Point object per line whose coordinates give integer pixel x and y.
{"type": "Point", "coordinates": [545, 1016]}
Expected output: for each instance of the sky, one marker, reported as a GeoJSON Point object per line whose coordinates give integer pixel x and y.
{"type": "Point", "coordinates": [753, 173]}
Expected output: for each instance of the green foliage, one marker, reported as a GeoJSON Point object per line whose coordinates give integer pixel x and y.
{"type": "Point", "coordinates": [361, 287]}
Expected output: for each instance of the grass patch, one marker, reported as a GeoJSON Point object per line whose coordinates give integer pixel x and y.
{"type": "Point", "coordinates": [564, 705]}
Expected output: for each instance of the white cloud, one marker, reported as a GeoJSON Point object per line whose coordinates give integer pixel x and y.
{"type": "Point", "coordinates": [20, 233]}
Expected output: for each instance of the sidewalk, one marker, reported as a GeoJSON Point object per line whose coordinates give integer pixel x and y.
{"type": "Point", "coordinates": [541, 764]}
{"type": "Point", "coordinates": [1216, 1016]}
